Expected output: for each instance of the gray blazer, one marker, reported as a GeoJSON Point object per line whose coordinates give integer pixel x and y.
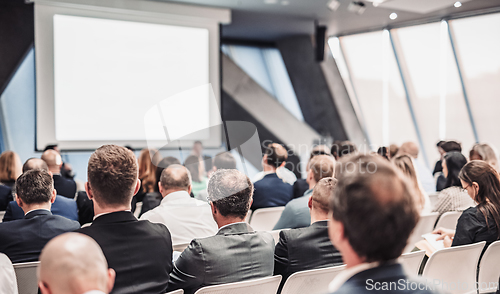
{"type": "Point", "coordinates": [234, 254]}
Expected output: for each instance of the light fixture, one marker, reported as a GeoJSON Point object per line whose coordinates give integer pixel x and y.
{"type": "Point", "coordinates": [357, 7]}
{"type": "Point", "coordinates": [333, 5]}
{"type": "Point", "coordinates": [457, 4]}
{"type": "Point", "coordinates": [393, 16]}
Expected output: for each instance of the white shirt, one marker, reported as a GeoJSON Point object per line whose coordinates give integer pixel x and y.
{"type": "Point", "coordinates": [8, 284]}
{"type": "Point", "coordinates": [186, 218]}
{"type": "Point", "coordinates": [282, 172]}
{"type": "Point", "coordinates": [94, 292]}
{"type": "Point", "coordinates": [346, 274]}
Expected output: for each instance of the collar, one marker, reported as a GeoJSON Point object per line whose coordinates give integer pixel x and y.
{"type": "Point", "coordinates": [320, 224]}
{"type": "Point", "coordinates": [36, 212]}
{"type": "Point", "coordinates": [94, 292]}
{"type": "Point", "coordinates": [348, 273]}
{"type": "Point", "coordinates": [113, 217]}
{"type": "Point", "coordinates": [308, 193]}
{"type": "Point", "coordinates": [178, 195]}
{"type": "Point", "coordinates": [234, 229]}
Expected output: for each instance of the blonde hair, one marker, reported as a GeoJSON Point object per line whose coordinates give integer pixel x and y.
{"type": "Point", "coordinates": [10, 166]}
{"type": "Point", "coordinates": [148, 160]}
{"type": "Point", "coordinates": [405, 163]}
{"type": "Point", "coordinates": [487, 154]}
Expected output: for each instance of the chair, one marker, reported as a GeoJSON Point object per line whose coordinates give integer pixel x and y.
{"type": "Point", "coordinates": [489, 269]}
{"type": "Point", "coordinates": [455, 266]}
{"type": "Point", "coordinates": [314, 281]}
{"type": "Point", "coordinates": [264, 219]}
{"type": "Point", "coordinates": [425, 225]}
{"type": "Point", "coordinates": [180, 291]}
{"type": "Point", "coordinates": [276, 235]}
{"type": "Point", "coordinates": [138, 208]}
{"type": "Point", "coordinates": [2, 213]}
{"type": "Point", "coordinates": [180, 247]}
{"type": "Point", "coordinates": [411, 261]}
{"type": "Point", "coordinates": [268, 285]}
{"type": "Point", "coordinates": [449, 220]}
{"type": "Point", "coordinates": [27, 281]}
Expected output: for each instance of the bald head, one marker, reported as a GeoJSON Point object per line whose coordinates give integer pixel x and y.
{"type": "Point", "coordinates": [409, 148]}
{"type": "Point", "coordinates": [53, 160]}
{"type": "Point", "coordinates": [35, 163]}
{"type": "Point", "coordinates": [175, 178]}
{"type": "Point", "coordinates": [73, 263]}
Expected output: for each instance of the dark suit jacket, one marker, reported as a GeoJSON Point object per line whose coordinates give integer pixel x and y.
{"type": "Point", "coordinates": [271, 191]}
{"type": "Point", "coordinates": [62, 206]}
{"type": "Point", "coordinates": [5, 196]}
{"type": "Point", "coordinates": [65, 187]}
{"type": "Point", "coordinates": [304, 249]}
{"type": "Point", "coordinates": [299, 188]}
{"type": "Point", "coordinates": [150, 201]}
{"type": "Point", "coordinates": [85, 208]}
{"type": "Point", "coordinates": [22, 240]}
{"type": "Point", "coordinates": [140, 252]}
{"type": "Point", "coordinates": [364, 282]}
{"type": "Point", "coordinates": [236, 253]}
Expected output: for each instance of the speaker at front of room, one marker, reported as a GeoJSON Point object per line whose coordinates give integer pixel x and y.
{"type": "Point", "coordinates": [320, 42]}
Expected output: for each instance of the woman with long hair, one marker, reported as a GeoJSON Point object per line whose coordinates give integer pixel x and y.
{"type": "Point", "coordinates": [198, 181]}
{"type": "Point", "coordinates": [484, 152]}
{"type": "Point", "coordinates": [452, 197]}
{"type": "Point", "coordinates": [10, 170]}
{"type": "Point", "coordinates": [482, 222]}
{"type": "Point", "coordinates": [405, 163]}
{"type": "Point", "coordinates": [148, 160]}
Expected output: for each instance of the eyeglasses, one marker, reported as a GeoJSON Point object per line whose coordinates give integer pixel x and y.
{"type": "Point", "coordinates": [465, 188]}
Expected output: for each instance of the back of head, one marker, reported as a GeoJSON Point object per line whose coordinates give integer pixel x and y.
{"type": "Point", "coordinates": [230, 192]}
{"type": "Point", "coordinates": [486, 153]}
{"type": "Point", "coordinates": [405, 163]}
{"type": "Point", "coordinates": [73, 263]}
{"type": "Point", "coordinates": [35, 163]}
{"type": "Point", "coordinates": [347, 148]}
{"type": "Point", "coordinates": [192, 163]}
{"type": "Point", "coordinates": [320, 150]}
{"type": "Point", "coordinates": [163, 164]}
{"type": "Point", "coordinates": [393, 150]}
{"type": "Point", "coordinates": [276, 154]}
{"type": "Point", "coordinates": [323, 193]}
{"type": "Point", "coordinates": [335, 149]}
{"type": "Point", "coordinates": [175, 177]}
{"type": "Point", "coordinates": [409, 148]}
{"type": "Point", "coordinates": [112, 175]}
{"type": "Point", "coordinates": [454, 161]}
{"type": "Point", "coordinates": [148, 161]}
{"type": "Point", "coordinates": [224, 160]}
{"type": "Point", "coordinates": [450, 146]}
{"type": "Point", "coordinates": [52, 158]}
{"type": "Point", "coordinates": [35, 187]}
{"type": "Point", "coordinates": [322, 166]}
{"type": "Point", "coordinates": [374, 202]}
{"type": "Point", "coordinates": [10, 166]}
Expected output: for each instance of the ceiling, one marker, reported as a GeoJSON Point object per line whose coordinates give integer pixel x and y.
{"type": "Point", "coordinates": [270, 20]}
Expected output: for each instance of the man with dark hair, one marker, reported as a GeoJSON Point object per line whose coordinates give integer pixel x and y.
{"type": "Point", "coordinates": [185, 217]}
{"type": "Point", "coordinates": [296, 213]}
{"type": "Point", "coordinates": [62, 206]}
{"type": "Point", "coordinates": [372, 215]}
{"type": "Point", "coordinates": [301, 186]}
{"type": "Point", "coordinates": [22, 240]}
{"type": "Point", "coordinates": [64, 186]}
{"type": "Point", "coordinates": [272, 191]}
{"type": "Point", "coordinates": [236, 253]}
{"type": "Point", "coordinates": [140, 252]}
{"type": "Point", "coordinates": [308, 248]}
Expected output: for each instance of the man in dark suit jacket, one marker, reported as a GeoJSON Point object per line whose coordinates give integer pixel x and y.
{"type": "Point", "coordinates": [22, 240]}
{"type": "Point", "coordinates": [64, 186]}
{"type": "Point", "coordinates": [140, 252]}
{"type": "Point", "coordinates": [308, 248]}
{"type": "Point", "coordinates": [373, 214]}
{"type": "Point", "coordinates": [271, 191]}
{"type": "Point", "coordinates": [236, 253]}
{"type": "Point", "coordinates": [62, 206]}
{"type": "Point", "coordinates": [5, 196]}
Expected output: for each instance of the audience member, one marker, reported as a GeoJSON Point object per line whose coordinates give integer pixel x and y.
{"type": "Point", "coordinates": [393, 150]}
{"type": "Point", "coordinates": [308, 248]}
{"type": "Point", "coordinates": [23, 239]}
{"type": "Point", "coordinates": [8, 282]}
{"type": "Point", "coordinates": [85, 208]}
{"type": "Point", "coordinates": [437, 167]}
{"type": "Point", "coordinates": [185, 217]}
{"type": "Point", "coordinates": [423, 173]}
{"type": "Point", "coordinates": [112, 181]}
{"type": "Point", "coordinates": [73, 263]}
{"type": "Point", "coordinates": [444, 147]}
{"type": "Point", "coordinates": [301, 186]}
{"type": "Point", "coordinates": [272, 191]}
{"type": "Point", "coordinates": [482, 222]}
{"type": "Point", "coordinates": [205, 160]}
{"type": "Point", "coordinates": [484, 152]}
{"type": "Point", "coordinates": [296, 213]}
{"type": "Point", "coordinates": [384, 152]}
{"type": "Point", "coordinates": [236, 253]}
{"type": "Point", "coordinates": [66, 169]}
{"type": "Point", "coordinates": [62, 206]}
{"type": "Point", "coordinates": [405, 164]}
{"type": "Point", "coordinates": [346, 148]}
{"type": "Point", "coordinates": [148, 161]}
{"type": "Point", "coordinates": [223, 160]}
{"type": "Point", "coordinates": [335, 149]}
{"type": "Point", "coordinates": [199, 181]}
{"type": "Point", "coordinates": [10, 170]}
{"type": "Point", "coordinates": [282, 172]}
{"type": "Point", "coordinates": [372, 215]}
{"type": "Point", "coordinates": [453, 197]}
{"type": "Point", "coordinates": [64, 187]}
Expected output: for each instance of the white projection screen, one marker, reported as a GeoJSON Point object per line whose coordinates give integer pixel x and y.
{"type": "Point", "coordinates": [101, 66]}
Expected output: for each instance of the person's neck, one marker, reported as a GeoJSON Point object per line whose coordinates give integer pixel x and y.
{"type": "Point", "coordinates": [170, 191]}
{"type": "Point", "coordinates": [317, 216]}
{"type": "Point", "coordinates": [350, 258]}
{"type": "Point", "coordinates": [269, 168]}
{"type": "Point", "coordinates": [55, 170]}
{"type": "Point", "coordinates": [28, 208]}
{"type": "Point", "coordinates": [311, 183]}
{"type": "Point", "coordinates": [224, 221]}
{"type": "Point", "coordinates": [101, 209]}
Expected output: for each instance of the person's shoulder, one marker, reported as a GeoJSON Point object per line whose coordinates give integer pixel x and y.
{"type": "Point", "coordinates": [155, 228]}
{"type": "Point", "coordinates": [65, 221]}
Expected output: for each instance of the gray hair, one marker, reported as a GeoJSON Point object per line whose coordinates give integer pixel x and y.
{"type": "Point", "coordinates": [230, 191]}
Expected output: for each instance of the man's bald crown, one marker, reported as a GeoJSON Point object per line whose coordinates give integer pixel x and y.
{"type": "Point", "coordinates": [175, 176]}
{"type": "Point", "coordinates": [52, 158]}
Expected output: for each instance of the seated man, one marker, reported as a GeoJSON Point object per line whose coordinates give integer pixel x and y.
{"type": "Point", "coordinates": [64, 186]}
{"type": "Point", "coordinates": [301, 186]}
{"type": "Point", "coordinates": [372, 216]}
{"type": "Point", "coordinates": [236, 253]}
{"type": "Point", "coordinates": [140, 252]}
{"type": "Point", "coordinates": [308, 248]}
{"type": "Point", "coordinates": [296, 213]}
{"type": "Point", "coordinates": [73, 263]}
{"type": "Point", "coordinates": [185, 217]}
{"type": "Point", "coordinates": [272, 191]}
{"type": "Point", "coordinates": [22, 240]}
{"type": "Point", "coordinates": [62, 206]}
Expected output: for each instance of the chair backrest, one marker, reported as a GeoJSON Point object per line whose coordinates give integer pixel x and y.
{"type": "Point", "coordinates": [264, 219]}
{"type": "Point", "coordinates": [433, 198]}
{"type": "Point", "coordinates": [314, 281]}
{"type": "Point", "coordinates": [276, 235]}
{"type": "Point", "coordinates": [2, 213]}
{"type": "Point", "coordinates": [456, 266]}
{"type": "Point", "coordinates": [27, 281]}
{"type": "Point", "coordinates": [268, 285]}
{"type": "Point", "coordinates": [180, 247]}
{"type": "Point", "coordinates": [411, 261]}
{"type": "Point", "coordinates": [489, 269]}
{"type": "Point", "coordinates": [138, 208]}
{"type": "Point", "coordinates": [425, 225]}
{"type": "Point", "coordinates": [180, 291]}
{"type": "Point", "coordinates": [449, 220]}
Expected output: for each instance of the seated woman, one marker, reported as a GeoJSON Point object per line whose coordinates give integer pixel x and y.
{"type": "Point", "coordinates": [10, 170]}
{"type": "Point", "coordinates": [482, 222]}
{"type": "Point", "coordinates": [405, 163]}
{"type": "Point", "coordinates": [485, 152]}
{"type": "Point", "coordinates": [453, 197]}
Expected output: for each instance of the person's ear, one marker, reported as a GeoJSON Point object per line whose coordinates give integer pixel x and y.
{"type": "Point", "coordinates": [137, 186]}
{"type": "Point", "coordinates": [190, 188]}
{"type": "Point", "coordinates": [51, 174]}
{"type": "Point", "coordinates": [53, 198]}
{"type": "Point", "coordinates": [111, 279]}
{"type": "Point", "coordinates": [264, 158]}
{"type": "Point", "coordinates": [310, 202]}
{"type": "Point", "coordinates": [160, 188]}
{"type": "Point", "coordinates": [283, 164]}
{"type": "Point", "coordinates": [90, 195]}
{"type": "Point", "coordinates": [214, 209]}
{"type": "Point", "coordinates": [250, 202]}
{"type": "Point", "coordinates": [19, 201]}
{"type": "Point", "coordinates": [44, 288]}
{"type": "Point", "coordinates": [476, 187]}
